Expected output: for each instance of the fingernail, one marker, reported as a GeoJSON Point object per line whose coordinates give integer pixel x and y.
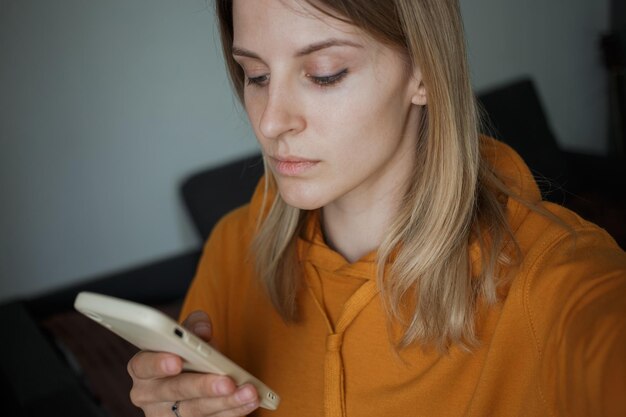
{"type": "Point", "coordinates": [223, 387]}
{"type": "Point", "coordinates": [245, 395]}
{"type": "Point", "coordinates": [197, 314]}
{"type": "Point", "coordinates": [202, 328]}
{"type": "Point", "coordinates": [170, 365]}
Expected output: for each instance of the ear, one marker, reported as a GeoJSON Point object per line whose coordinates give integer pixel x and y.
{"type": "Point", "coordinates": [418, 89]}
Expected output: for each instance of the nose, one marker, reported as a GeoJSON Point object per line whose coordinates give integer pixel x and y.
{"type": "Point", "coordinates": [281, 114]}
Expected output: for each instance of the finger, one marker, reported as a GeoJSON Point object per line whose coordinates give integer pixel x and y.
{"type": "Point", "coordinates": [199, 323]}
{"type": "Point", "coordinates": [190, 385]}
{"type": "Point", "coordinates": [186, 386]}
{"type": "Point", "coordinates": [148, 365]}
{"type": "Point", "coordinates": [240, 403]}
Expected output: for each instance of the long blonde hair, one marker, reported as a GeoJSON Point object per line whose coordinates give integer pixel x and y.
{"type": "Point", "coordinates": [453, 196]}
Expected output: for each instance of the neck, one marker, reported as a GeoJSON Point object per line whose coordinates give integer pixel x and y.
{"type": "Point", "coordinates": [358, 225]}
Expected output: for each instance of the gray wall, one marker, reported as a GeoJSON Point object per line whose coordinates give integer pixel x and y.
{"type": "Point", "coordinates": [618, 14]}
{"type": "Point", "coordinates": [618, 17]}
{"type": "Point", "coordinates": [557, 43]}
{"type": "Point", "coordinates": [105, 107]}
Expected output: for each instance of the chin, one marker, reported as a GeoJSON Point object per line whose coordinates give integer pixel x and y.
{"type": "Point", "coordinates": [302, 199]}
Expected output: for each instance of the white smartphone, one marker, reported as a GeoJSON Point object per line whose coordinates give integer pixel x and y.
{"type": "Point", "coordinates": [149, 329]}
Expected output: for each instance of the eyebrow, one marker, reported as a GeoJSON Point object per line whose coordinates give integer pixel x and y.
{"type": "Point", "coordinates": [307, 50]}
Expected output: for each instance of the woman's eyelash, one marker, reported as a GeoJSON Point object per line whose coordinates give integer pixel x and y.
{"type": "Point", "coordinates": [258, 81]}
{"type": "Point", "coordinates": [328, 80]}
{"type": "Point", "coordinates": [322, 81]}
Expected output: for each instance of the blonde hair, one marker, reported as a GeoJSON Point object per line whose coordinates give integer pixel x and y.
{"type": "Point", "coordinates": [453, 196]}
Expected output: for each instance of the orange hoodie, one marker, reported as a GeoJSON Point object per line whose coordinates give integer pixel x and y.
{"type": "Point", "coordinates": [555, 345]}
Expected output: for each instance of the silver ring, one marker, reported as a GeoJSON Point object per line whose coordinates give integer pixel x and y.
{"type": "Point", "coordinates": [175, 408]}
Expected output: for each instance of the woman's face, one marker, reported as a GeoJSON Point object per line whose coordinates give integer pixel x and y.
{"type": "Point", "coordinates": [334, 110]}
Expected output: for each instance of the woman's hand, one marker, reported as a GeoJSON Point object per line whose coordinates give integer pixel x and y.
{"type": "Point", "coordinates": [159, 384]}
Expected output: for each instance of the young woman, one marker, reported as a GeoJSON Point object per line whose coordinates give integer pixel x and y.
{"type": "Point", "coordinates": [392, 261]}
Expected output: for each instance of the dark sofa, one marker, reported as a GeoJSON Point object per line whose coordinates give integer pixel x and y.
{"type": "Point", "coordinates": [56, 362]}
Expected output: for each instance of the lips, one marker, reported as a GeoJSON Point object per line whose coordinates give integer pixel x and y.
{"type": "Point", "coordinates": [292, 166]}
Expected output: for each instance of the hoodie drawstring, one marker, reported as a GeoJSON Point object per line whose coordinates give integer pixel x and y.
{"type": "Point", "coordinates": [334, 384]}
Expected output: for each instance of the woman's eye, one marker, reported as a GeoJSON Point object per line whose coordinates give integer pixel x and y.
{"type": "Point", "coordinates": [261, 80]}
{"type": "Point", "coordinates": [321, 80]}
{"type": "Point", "coordinates": [328, 80]}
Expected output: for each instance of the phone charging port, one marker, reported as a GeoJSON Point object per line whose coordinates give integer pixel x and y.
{"type": "Point", "coordinates": [178, 332]}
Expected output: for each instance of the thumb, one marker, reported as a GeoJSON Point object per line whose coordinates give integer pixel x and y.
{"type": "Point", "coordinates": [199, 323]}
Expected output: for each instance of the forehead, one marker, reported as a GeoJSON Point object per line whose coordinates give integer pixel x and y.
{"type": "Point", "coordinates": [286, 22]}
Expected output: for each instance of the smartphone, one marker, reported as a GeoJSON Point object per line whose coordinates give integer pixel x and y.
{"type": "Point", "coordinates": [149, 329]}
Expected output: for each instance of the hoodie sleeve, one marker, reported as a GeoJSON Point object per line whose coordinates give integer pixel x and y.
{"type": "Point", "coordinates": [575, 296]}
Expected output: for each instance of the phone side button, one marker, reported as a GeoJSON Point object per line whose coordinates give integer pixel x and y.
{"type": "Point", "coordinates": [193, 342]}
{"type": "Point", "coordinates": [204, 351]}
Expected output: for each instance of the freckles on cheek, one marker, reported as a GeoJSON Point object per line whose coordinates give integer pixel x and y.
{"type": "Point", "coordinates": [254, 116]}
{"type": "Point", "coordinates": [368, 107]}
{"type": "Point", "coordinates": [343, 117]}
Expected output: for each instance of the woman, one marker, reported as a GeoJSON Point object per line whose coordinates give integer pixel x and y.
{"type": "Point", "coordinates": [391, 262]}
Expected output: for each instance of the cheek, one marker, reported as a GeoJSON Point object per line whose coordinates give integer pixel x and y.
{"type": "Point", "coordinates": [254, 107]}
{"type": "Point", "coordinates": [251, 106]}
{"type": "Point", "coordinates": [336, 115]}
{"type": "Point", "coordinates": [367, 119]}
